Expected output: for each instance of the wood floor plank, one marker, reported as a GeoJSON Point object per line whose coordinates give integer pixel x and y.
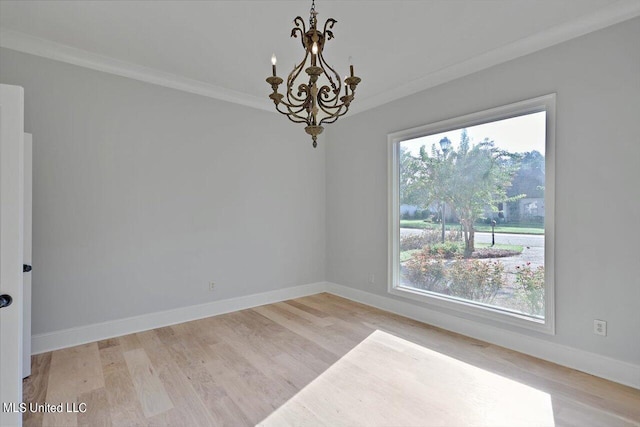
{"type": "Point", "coordinates": [129, 342]}
{"type": "Point", "coordinates": [315, 357]}
{"type": "Point", "coordinates": [262, 350]}
{"type": "Point", "coordinates": [89, 375]}
{"type": "Point", "coordinates": [73, 371]}
{"type": "Point", "coordinates": [568, 412]}
{"type": "Point", "coordinates": [258, 350]}
{"type": "Point", "coordinates": [107, 343]}
{"type": "Point", "coordinates": [62, 387]}
{"type": "Point", "coordinates": [254, 393]}
{"type": "Point", "coordinates": [336, 345]}
{"type": "Point", "coordinates": [269, 342]}
{"type": "Point", "coordinates": [125, 408]}
{"type": "Point", "coordinates": [34, 387]}
{"type": "Point", "coordinates": [149, 389]}
{"type": "Point", "coordinates": [306, 314]}
{"type": "Point", "coordinates": [169, 418]}
{"type": "Point", "coordinates": [319, 360]}
{"type": "Point", "coordinates": [96, 413]}
{"type": "Point", "coordinates": [187, 402]}
{"type": "Point", "coordinates": [182, 361]}
{"type": "Point", "coordinates": [296, 303]}
{"type": "Point", "coordinates": [212, 391]}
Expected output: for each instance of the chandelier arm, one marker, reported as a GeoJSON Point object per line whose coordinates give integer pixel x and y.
{"type": "Point", "coordinates": [332, 117]}
{"type": "Point", "coordinates": [335, 117]}
{"type": "Point", "coordinates": [294, 110]}
{"type": "Point", "coordinates": [331, 111]}
{"type": "Point", "coordinates": [297, 102]}
{"type": "Point", "coordinates": [329, 77]}
{"type": "Point", "coordinates": [297, 119]}
{"type": "Point", "coordinates": [291, 115]}
{"type": "Point", "coordinates": [302, 88]}
{"type": "Point", "coordinates": [293, 76]}
{"type": "Point", "coordinates": [294, 100]}
{"type": "Point", "coordinates": [299, 22]}
{"type": "Point", "coordinates": [292, 107]}
{"type": "Point", "coordinates": [327, 97]}
{"type": "Point", "coordinates": [328, 26]}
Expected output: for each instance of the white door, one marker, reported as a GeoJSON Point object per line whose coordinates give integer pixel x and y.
{"type": "Point", "coordinates": [11, 251]}
{"type": "Point", "coordinates": [26, 241]}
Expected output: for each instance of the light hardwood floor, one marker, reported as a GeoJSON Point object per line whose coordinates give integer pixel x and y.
{"type": "Point", "coordinates": [318, 360]}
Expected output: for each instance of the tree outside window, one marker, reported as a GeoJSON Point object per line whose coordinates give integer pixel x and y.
{"type": "Point", "coordinates": [477, 231]}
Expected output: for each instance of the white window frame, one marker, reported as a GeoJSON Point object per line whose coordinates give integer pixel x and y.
{"type": "Point", "coordinates": [544, 103]}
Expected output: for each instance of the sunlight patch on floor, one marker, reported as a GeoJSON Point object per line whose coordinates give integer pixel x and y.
{"type": "Point", "coordinates": [386, 380]}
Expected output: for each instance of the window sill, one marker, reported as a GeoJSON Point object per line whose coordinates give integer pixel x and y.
{"type": "Point", "coordinates": [499, 316]}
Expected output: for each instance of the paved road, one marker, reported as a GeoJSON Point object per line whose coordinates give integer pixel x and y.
{"type": "Point", "coordinates": [530, 240]}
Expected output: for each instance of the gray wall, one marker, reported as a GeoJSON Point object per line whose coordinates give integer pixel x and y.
{"type": "Point", "coordinates": [597, 80]}
{"type": "Point", "coordinates": [142, 195]}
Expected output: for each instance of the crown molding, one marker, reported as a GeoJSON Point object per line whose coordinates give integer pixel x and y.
{"type": "Point", "coordinates": [26, 43]}
{"type": "Point", "coordinates": [619, 11]}
{"type": "Point", "coordinates": [616, 13]}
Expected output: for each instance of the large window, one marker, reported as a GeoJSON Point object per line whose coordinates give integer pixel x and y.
{"type": "Point", "coordinates": [471, 213]}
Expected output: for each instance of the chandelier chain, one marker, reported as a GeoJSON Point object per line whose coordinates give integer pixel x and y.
{"type": "Point", "coordinates": [312, 14]}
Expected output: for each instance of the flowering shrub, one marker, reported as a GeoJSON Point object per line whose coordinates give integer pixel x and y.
{"type": "Point", "coordinates": [427, 272]}
{"type": "Point", "coordinates": [530, 287]}
{"type": "Point", "coordinates": [476, 280]}
{"type": "Point", "coordinates": [412, 241]}
{"type": "Point", "coordinates": [444, 250]}
{"type": "Point", "coordinates": [427, 237]}
{"type": "Point", "coordinates": [470, 279]}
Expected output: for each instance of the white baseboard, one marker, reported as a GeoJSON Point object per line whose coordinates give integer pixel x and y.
{"type": "Point", "coordinates": [41, 343]}
{"type": "Point", "coordinates": [591, 363]}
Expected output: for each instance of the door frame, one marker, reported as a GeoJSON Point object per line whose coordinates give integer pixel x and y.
{"type": "Point", "coordinates": [11, 250]}
{"type": "Point", "coordinates": [27, 228]}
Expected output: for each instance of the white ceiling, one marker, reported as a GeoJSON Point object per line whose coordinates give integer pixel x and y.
{"type": "Point", "coordinates": [223, 48]}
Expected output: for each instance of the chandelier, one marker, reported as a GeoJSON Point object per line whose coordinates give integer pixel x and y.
{"type": "Point", "coordinates": [315, 101]}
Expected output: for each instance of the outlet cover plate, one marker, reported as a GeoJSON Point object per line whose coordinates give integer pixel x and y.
{"type": "Point", "coordinates": [600, 327]}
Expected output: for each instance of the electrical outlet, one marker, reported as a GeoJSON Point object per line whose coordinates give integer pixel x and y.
{"type": "Point", "coordinates": [372, 278]}
{"type": "Point", "coordinates": [212, 286]}
{"type": "Point", "coordinates": [600, 327]}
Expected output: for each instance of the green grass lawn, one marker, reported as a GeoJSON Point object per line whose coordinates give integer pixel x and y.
{"type": "Point", "coordinates": [406, 255]}
{"type": "Point", "coordinates": [517, 248]}
{"type": "Point", "coordinates": [502, 228]}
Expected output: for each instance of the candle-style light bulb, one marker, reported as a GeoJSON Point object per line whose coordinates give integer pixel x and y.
{"type": "Point", "coordinates": [346, 88]}
{"type": "Point", "coordinates": [273, 64]}
{"type": "Point", "coordinates": [351, 65]}
{"type": "Point", "coordinates": [314, 48]}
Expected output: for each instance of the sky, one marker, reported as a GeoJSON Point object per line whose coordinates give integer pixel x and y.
{"type": "Point", "coordinates": [517, 135]}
